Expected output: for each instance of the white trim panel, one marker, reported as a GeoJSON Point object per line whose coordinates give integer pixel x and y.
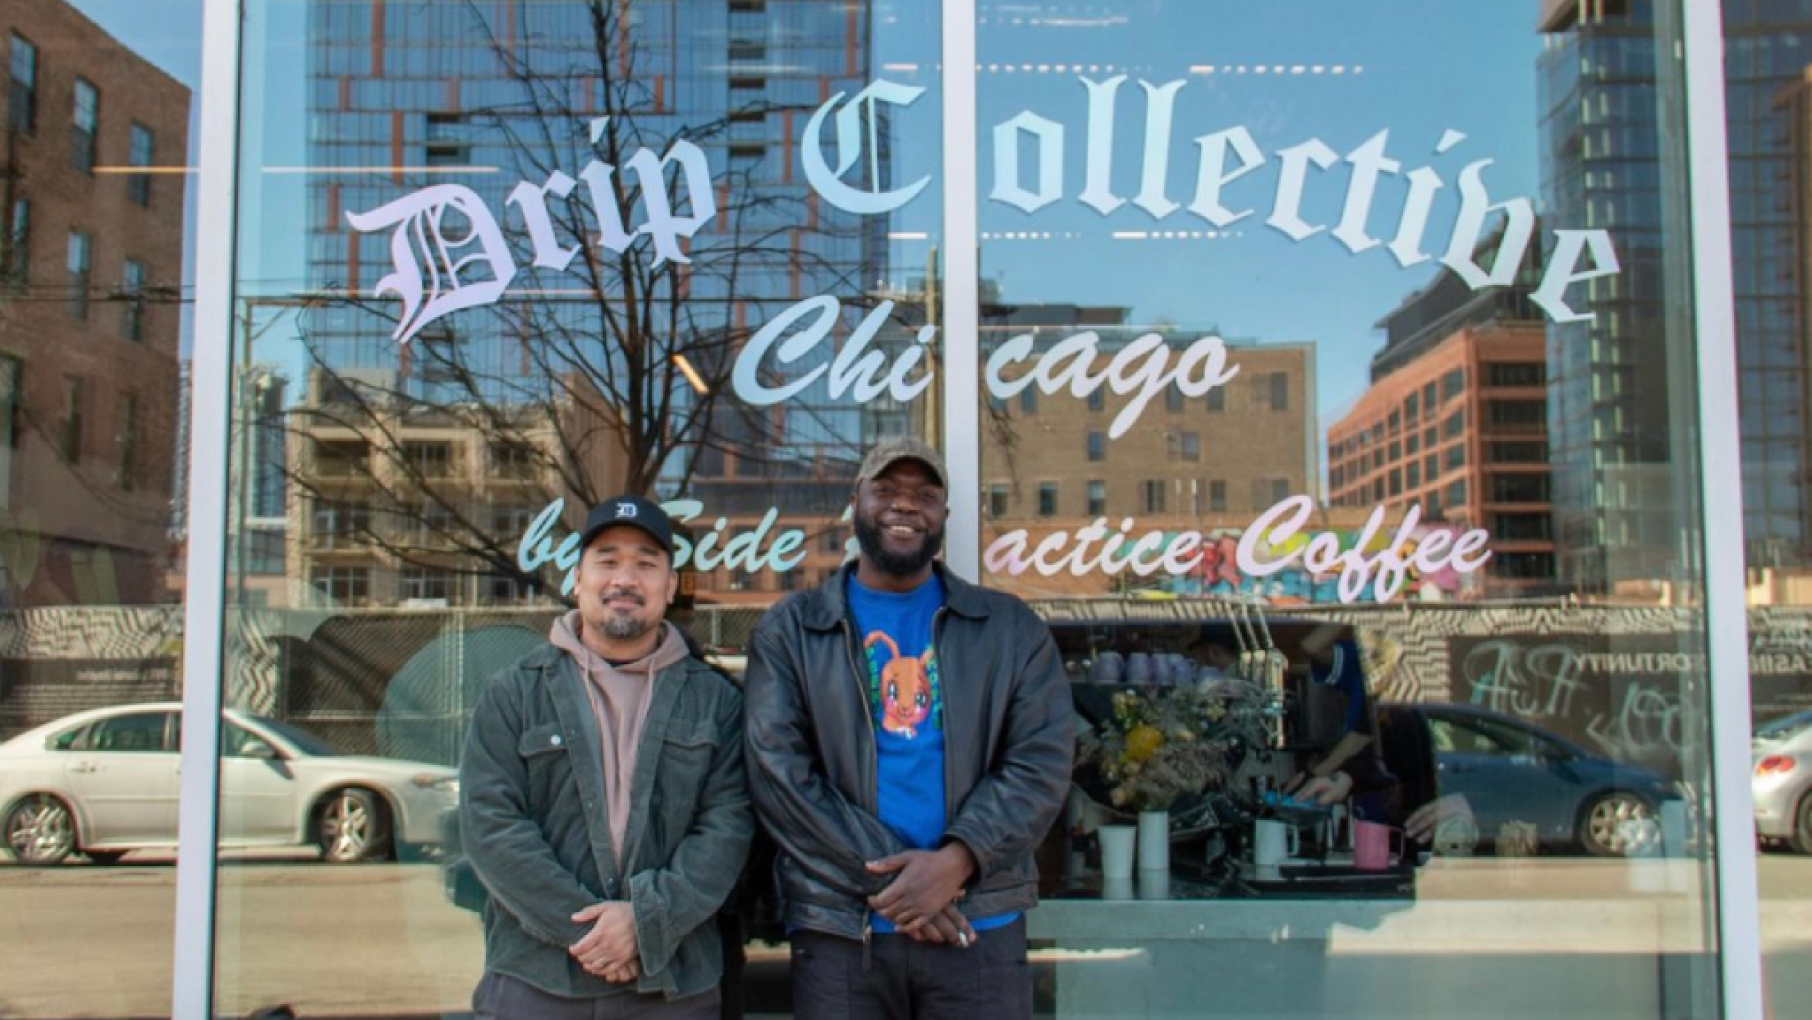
{"type": "Point", "coordinates": [1721, 467]}
{"type": "Point", "coordinates": [210, 389]}
{"type": "Point", "coordinates": [962, 288]}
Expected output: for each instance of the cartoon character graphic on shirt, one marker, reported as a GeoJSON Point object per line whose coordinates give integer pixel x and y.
{"type": "Point", "coordinates": [906, 687]}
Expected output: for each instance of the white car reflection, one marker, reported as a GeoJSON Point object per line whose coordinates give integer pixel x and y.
{"type": "Point", "coordinates": [105, 782]}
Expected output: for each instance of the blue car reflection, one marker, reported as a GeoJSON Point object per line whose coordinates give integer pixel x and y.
{"type": "Point", "coordinates": [1514, 772]}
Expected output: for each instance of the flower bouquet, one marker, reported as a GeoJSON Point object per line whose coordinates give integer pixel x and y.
{"type": "Point", "coordinates": [1170, 748]}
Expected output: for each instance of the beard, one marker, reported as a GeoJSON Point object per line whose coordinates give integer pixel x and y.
{"type": "Point", "coordinates": [620, 625]}
{"type": "Point", "coordinates": [874, 549]}
{"type": "Point", "coordinates": [625, 628]}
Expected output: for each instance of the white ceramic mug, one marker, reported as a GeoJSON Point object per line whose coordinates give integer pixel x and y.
{"type": "Point", "coordinates": [1274, 843]}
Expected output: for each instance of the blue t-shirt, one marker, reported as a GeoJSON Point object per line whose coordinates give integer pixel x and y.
{"type": "Point", "coordinates": [905, 695]}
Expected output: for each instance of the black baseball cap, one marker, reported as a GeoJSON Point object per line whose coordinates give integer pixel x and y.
{"type": "Point", "coordinates": [629, 511]}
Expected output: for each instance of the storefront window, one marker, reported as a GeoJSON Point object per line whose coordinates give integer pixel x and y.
{"type": "Point", "coordinates": [497, 263]}
{"type": "Point", "coordinates": [1767, 101]}
{"type": "Point", "coordinates": [93, 537]}
{"type": "Point", "coordinates": [1185, 198]}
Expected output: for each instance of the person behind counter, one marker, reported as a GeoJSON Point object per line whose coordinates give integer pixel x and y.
{"type": "Point", "coordinates": [603, 800]}
{"type": "Point", "coordinates": [1390, 773]}
{"type": "Point", "coordinates": [908, 774]}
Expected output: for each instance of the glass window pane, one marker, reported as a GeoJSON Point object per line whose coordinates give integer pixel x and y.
{"type": "Point", "coordinates": [1371, 349]}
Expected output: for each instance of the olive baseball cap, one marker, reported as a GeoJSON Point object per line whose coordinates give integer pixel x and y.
{"type": "Point", "coordinates": [891, 451]}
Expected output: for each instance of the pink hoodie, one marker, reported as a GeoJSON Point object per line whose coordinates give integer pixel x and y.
{"type": "Point", "coordinates": [620, 697]}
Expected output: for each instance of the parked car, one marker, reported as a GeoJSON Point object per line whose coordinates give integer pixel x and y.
{"type": "Point", "coordinates": [1782, 781]}
{"type": "Point", "coordinates": [1512, 771]}
{"type": "Point", "coordinates": [104, 782]}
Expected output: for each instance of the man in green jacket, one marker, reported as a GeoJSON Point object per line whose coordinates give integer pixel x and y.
{"type": "Point", "coordinates": [603, 801]}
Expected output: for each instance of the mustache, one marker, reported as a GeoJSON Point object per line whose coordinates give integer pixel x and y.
{"type": "Point", "coordinates": [626, 593]}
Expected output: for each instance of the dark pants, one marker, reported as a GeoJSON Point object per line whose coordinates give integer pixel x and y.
{"type": "Point", "coordinates": [501, 997]}
{"type": "Point", "coordinates": [906, 980]}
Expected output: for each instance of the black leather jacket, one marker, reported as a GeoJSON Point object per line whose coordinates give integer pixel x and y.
{"type": "Point", "coordinates": [1009, 740]}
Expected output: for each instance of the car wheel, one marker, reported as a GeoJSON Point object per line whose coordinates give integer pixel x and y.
{"type": "Point", "coordinates": [1801, 840]}
{"type": "Point", "coordinates": [40, 830]}
{"type": "Point", "coordinates": [1618, 824]}
{"type": "Point", "coordinates": [354, 826]}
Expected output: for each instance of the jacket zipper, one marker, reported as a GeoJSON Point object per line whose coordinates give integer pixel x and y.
{"type": "Point", "coordinates": [874, 767]}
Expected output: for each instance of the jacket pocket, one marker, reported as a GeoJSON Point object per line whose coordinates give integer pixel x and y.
{"type": "Point", "coordinates": [685, 767]}
{"type": "Point", "coordinates": [542, 740]}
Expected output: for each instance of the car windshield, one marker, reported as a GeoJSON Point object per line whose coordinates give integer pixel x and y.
{"type": "Point", "coordinates": [304, 742]}
{"type": "Point", "coordinates": [1785, 727]}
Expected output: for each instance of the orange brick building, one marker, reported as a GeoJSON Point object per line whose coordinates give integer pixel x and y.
{"type": "Point", "coordinates": [91, 237]}
{"type": "Point", "coordinates": [1458, 425]}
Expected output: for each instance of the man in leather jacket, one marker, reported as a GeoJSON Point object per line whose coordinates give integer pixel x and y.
{"type": "Point", "coordinates": [910, 738]}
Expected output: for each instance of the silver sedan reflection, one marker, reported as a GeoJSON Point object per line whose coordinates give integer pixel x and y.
{"type": "Point", "coordinates": [105, 782]}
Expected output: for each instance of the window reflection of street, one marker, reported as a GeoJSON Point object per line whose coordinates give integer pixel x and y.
{"type": "Point", "coordinates": [332, 917]}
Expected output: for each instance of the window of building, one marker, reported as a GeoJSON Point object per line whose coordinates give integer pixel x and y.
{"type": "Point", "coordinates": [508, 590]}
{"type": "Point", "coordinates": [1217, 496]}
{"type": "Point", "coordinates": [1411, 408]}
{"type": "Point", "coordinates": [748, 6]}
{"type": "Point", "coordinates": [345, 586]}
{"type": "Point", "coordinates": [125, 442]}
{"type": "Point", "coordinates": [265, 553]}
{"type": "Point", "coordinates": [1395, 482]}
{"type": "Point", "coordinates": [997, 500]}
{"type": "Point", "coordinates": [1453, 384]}
{"type": "Point", "coordinates": [1517, 452]}
{"type": "Point", "coordinates": [12, 381]}
{"type": "Point", "coordinates": [511, 521]}
{"type": "Point", "coordinates": [1097, 399]}
{"type": "Point", "coordinates": [84, 125]}
{"type": "Point", "coordinates": [1454, 425]}
{"type": "Point", "coordinates": [341, 458]}
{"type": "Point", "coordinates": [1412, 474]}
{"type": "Point", "coordinates": [132, 301]}
{"type": "Point", "coordinates": [1516, 415]}
{"type": "Point", "coordinates": [1047, 499]}
{"type": "Point", "coordinates": [1268, 492]}
{"type": "Point", "coordinates": [1028, 400]}
{"type": "Point", "coordinates": [514, 460]}
{"type": "Point", "coordinates": [69, 435]}
{"type": "Point", "coordinates": [1395, 452]}
{"type": "Point", "coordinates": [1097, 446]}
{"type": "Point", "coordinates": [337, 523]}
{"type": "Point", "coordinates": [1456, 457]}
{"type": "Point", "coordinates": [1192, 446]}
{"type": "Point", "coordinates": [1519, 488]}
{"type": "Point", "coordinates": [1413, 444]}
{"type": "Point", "coordinates": [1429, 401]}
{"type": "Point", "coordinates": [1173, 399]}
{"type": "Point", "coordinates": [15, 261]}
{"type": "Point", "coordinates": [1516, 373]}
{"type": "Point", "coordinates": [429, 459]}
{"type": "Point", "coordinates": [427, 584]}
{"type": "Point", "coordinates": [1431, 466]}
{"type": "Point", "coordinates": [1521, 527]}
{"type": "Point", "coordinates": [1097, 498]}
{"type": "Point", "coordinates": [141, 151]}
{"type": "Point", "coordinates": [1456, 493]}
{"type": "Point", "coordinates": [1428, 437]}
{"type": "Point", "coordinates": [1395, 423]}
{"type": "Point", "coordinates": [1154, 492]}
{"type": "Point", "coordinates": [22, 94]}
{"type": "Point", "coordinates": [743, 52]}
{"type": "Point", "coordinates": [1217, 399]}
{"type": "Point", "coordinates": [80, 255]}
